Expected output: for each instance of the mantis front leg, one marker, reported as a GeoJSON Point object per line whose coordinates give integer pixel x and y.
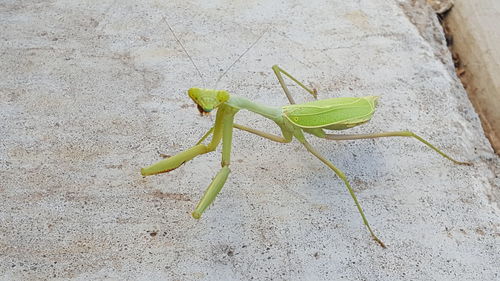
{"type": "Point", "coordinates": [222, 130]}
{"type": "Point", "coordinates": [206, 135]}
{"type": "Point", "coordinates": [220, 179]}
{"type": "Point", "coordinates": [173, 162]}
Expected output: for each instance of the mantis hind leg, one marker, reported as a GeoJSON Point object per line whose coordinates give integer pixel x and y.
{"type": "Point", "coordinates": [278, 71]}
{"type": "Point", "coordinates": [342, 176]}
{"type": "Point", "coordinates": [393, 134]}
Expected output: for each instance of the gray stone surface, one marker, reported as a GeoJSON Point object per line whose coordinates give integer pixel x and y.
{"type": "Point", "coordinates": [92, 91]}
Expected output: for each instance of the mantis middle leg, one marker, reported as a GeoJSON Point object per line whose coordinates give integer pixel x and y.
{"type": "Point", "coordinates": [278, 70]}
{"type": "Point", "coordinates": [287, 136]}
{"type": "Point", "coordinates": [392, 134]}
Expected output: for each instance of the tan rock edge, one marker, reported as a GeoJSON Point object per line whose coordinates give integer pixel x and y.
{"type": "Point", "coordinates": [476, 39]}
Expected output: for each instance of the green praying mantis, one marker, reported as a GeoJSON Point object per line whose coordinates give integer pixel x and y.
{"type": "Point", "coordinates": [313, 118]}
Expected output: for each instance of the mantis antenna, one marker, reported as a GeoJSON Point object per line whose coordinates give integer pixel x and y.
{"type": "Point", "coordinates": [191, 59]}
{"type": "Point", "coordinates": [246, 51]}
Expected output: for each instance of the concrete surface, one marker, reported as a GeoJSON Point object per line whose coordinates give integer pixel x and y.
{"type": "Point", "coordinates": [92, 91]}
{"type": "Point", "coordinates": [476, 41]}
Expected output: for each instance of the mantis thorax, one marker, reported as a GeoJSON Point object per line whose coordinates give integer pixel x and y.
{"type": "Point", "coordinates": [208, 99]}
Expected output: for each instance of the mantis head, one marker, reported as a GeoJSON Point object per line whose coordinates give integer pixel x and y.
{"type": "Point", "coordinates": [207, 100]}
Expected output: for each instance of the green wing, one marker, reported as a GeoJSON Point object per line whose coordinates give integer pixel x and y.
{"type": "Point", "coordinates": [332, 114]}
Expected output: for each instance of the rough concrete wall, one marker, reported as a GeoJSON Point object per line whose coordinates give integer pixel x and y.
{"type": "Point", "coordinates": [92, 91]}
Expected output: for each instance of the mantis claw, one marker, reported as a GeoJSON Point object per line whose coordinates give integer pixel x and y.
{"type": "Point", "coordinates": [315, 93]}
{"type": "Point", "coordinates": [379, 242]}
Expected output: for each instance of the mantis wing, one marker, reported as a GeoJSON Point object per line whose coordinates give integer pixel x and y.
{"type": "Point", "coordinates": [332, 114]}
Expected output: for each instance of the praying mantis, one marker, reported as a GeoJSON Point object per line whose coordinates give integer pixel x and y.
{"type": "Point", "coordinates": [313, 118]}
